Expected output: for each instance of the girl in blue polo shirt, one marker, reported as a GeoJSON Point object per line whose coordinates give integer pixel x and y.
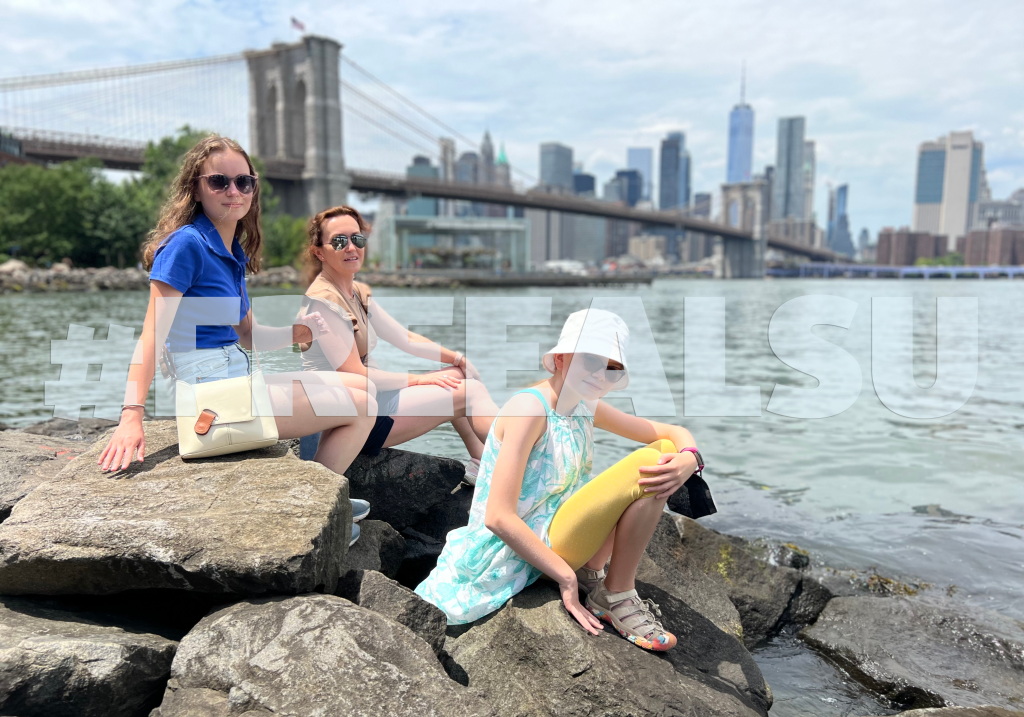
{"type": "Point", "coordinates": [207, 237]}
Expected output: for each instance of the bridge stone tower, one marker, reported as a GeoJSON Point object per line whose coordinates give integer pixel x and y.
{"type": "Point", "coordinates": [295, 122]}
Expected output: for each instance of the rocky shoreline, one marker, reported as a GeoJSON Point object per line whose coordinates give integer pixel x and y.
{"type": "Point", "coordinates": [226, 587]}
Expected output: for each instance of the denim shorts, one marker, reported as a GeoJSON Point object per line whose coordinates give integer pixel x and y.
{"type": "Point", "coordinates": [205, 365]}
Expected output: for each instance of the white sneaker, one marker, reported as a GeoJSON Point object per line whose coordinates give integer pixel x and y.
{"type": "Point", "coordinates": [360, 509]}
{"type": "Point", "coordinates": [355, 535]}
{"type": "Point", "coordinates": [472, 470]}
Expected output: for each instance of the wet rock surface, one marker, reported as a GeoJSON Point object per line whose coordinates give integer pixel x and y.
{"type": "Point", "coordinates": [919, 655]}
{"type": "Point", "coordinates": [249, 523]}
{"type": "Point", "coordinates": [55, 663]}
{"type": "Point", "coordinates": [717, 572]}
{"type": "Point", "coordinates": [532, 658]}
{"type": "Point", "coordinates": [309, 655]}
{"type": "Point", "coordinates": [26, 460]}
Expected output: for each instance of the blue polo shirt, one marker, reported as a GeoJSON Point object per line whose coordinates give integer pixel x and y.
{"type": "Point", "coordinates": [194, 261]}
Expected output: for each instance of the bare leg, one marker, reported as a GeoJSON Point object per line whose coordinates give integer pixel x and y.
{"type": "Point", "coordinates": [600, 558]}
{"type": "Point", "coordinates": [342, 436]}
{"type": "Point", "coordinates": [464, 427]}
{"type": "Point", "coordinates": [632, 534]}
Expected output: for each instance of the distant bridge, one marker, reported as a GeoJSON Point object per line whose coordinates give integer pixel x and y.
{"type": "Point", "coordinates": [295, 123]}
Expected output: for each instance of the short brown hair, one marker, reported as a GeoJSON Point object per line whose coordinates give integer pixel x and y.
{"type": "Point", "coordinates": [313, 265]}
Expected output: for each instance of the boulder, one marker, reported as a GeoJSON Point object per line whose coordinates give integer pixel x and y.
{"type": "Point", "coordinates": [309, 655]}
{"type": "Point", "coordinates": [379, 547]}
{"type": "Point", "coordinates": [707, 566]}
{"type": "Point", "coordinates": [986, 711]}
{"type": "Point", "coordinates": [532, 658]}
{"type": "Point", "coordinates": [247, 523]}
{"type": "Point", "coordinates": [409, 489]}
{"type": "Point", "coordinates": [26, 461]}
{"type": "Point", "coordinates": [55, 663]}
{"type": "Point", "coordinates": [13, 265]}
{"type": "Point", "coordinates": [918, 654]}
{"type": "Point", "coordinates": [374, 591]}
{"type": "Point", "coordinates": [84, 429]}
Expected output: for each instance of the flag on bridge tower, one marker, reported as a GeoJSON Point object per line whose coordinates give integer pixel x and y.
{"type": "Point", "coordinates": [298, 25]}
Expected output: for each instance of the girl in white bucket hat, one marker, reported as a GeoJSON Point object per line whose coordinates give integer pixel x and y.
{"type": "Point", "coordinates": [537, 511]}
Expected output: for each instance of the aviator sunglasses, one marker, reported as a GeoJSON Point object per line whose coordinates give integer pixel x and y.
{"type": "Point", "coordinates": [245, 183]}
{"type": "Point", "coordinates": [593, 363]}
{"type": "Point", "coordinates": [340, 241]}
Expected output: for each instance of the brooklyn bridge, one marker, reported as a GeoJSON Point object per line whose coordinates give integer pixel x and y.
{"type": "Point", "coordinates": [318, 133]}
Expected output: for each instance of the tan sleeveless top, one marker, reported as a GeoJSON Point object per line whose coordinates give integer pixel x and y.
{"type": "Point", "coordinates": [324, 294]}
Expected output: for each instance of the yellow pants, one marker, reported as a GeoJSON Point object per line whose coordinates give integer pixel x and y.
{"type": "Point", "coordinates": [583, 523]}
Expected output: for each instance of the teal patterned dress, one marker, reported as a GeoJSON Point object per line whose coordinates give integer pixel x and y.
{"type": "Point", "coordinates": [477, 572]}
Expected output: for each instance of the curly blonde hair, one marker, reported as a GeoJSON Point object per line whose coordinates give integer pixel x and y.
{"type": "Point", "coordinates": [313, 265]}
{"type": "Point", "coordinates": [182, 207]}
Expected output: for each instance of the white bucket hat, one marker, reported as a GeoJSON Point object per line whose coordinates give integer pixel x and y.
{"type": "Point", "coordinates": [593, 331]}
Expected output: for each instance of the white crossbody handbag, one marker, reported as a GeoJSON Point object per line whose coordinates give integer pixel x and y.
{"type": "Point", "coordinates": [225, 416]}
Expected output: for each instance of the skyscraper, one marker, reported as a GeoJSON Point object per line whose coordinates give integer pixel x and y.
{"type": "Point", "coordinates": [809, 167]}
{"type": "Point", "coordinates": [632, 185]}
{"type": "Point", "coordinates": [788, 189]}
{"type": "Point", "coordinates": [502, 169]}
{"type": "Point", "coordinates": [642, 160]}
{"type": "Point", "coordinates": [421, 206]}
{"type": "Point", "coordinates": [674, 184]}
{"type": "Point", "coordinates": [741, 139]}
{"type": "Point", "coordinates": [839, 239]}
{"type": "Point", "coordinates": [950, 181]}
{"type": "Point", "coordinates": [556, 165]}
{"type": "Point", "coordinates": [487, 159]}
{"type": "Point", "coordinates": [583, 183]}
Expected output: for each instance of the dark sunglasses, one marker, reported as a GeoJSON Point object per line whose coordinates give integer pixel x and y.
{"type": "Point", "coordinates": [340, 241]}
{"type": "Point", "coordinates": [245, 183]}
{"type": "Point", "coordinates": [592, 363]}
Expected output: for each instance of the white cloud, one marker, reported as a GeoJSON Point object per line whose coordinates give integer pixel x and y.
{"type": "Point", "coordinates": [874, 78]}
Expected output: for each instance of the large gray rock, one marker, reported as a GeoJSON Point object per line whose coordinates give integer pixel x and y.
{"type": "Point", "coordinates": [986, 711]}
{"type": "Point", "coordinates": [309, 655]}
{"type": "Point", "coordinates": [248, 523]}
{"type": "Point", "coordinates": [379, 548]}
{"type": "Point", "coordinates": [55, 663]}
{"type": "Point", "coordinates": [84, 429]}
{"type": "Point", "coordinates": [708, 569]}
{"type": "Point", "coordinates": [27, 460]}
{"type": "Point", "coordinates": [923, 655]}
{"type": "Point", "coordinates": [531, 658]}
{"type": "Point", "coordinates": [410, 490]}
{"type": "Point", "coordinates": [374, 591]}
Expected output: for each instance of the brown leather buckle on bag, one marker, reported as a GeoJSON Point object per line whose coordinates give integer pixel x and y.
{"type": "Point", "coordinates": [206, 419]}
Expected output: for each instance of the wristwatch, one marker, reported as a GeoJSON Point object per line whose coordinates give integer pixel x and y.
{"type": "Point", "coordinates": [698, 456]}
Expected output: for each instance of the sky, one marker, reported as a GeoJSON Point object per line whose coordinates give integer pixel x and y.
{"type": "Point", "coordinates": [872, 79]}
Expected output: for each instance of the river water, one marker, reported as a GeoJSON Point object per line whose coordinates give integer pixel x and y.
{"type": "Point", "coordinates": [936, 500]}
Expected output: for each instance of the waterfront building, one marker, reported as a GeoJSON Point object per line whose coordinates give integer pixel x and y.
{"type": "Point", "coordinates": [422, 206]}
{"type": "Point", "coordinates": [647, 247]}
{"type": "Point", "coordinates": [998, 212]}
{"type": "Point", "coordinates": [701, 205]}
{"type": "Point", "coordinates": [675, 174]}
{"type": "Point", "coordinates": [903, 247]}
{"type": "Point", "coordinates": [809, 170]}
{"type": "Point", "coordinates": [838, 236]}
{"type": "Point", "coordinates": [741, 139]}
{"type": "Point", "coordinates": [632, 185]}
{"type": "Point", "coordinates": [863, 239]}
{"type": "Point", "coordinates": [1001, 246]}
{"type": "Point", "coordinates": [556, 165]}
{"type": "Point", "coordinates": [585, 184]}
{"type": "Point", "coordinates": [788, 185]}
{"type": "Point", "coordinates": [950, 183]}
{"type": "Point", "coordinates": [642, 160]}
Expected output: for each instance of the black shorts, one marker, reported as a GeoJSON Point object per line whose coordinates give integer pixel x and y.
{"type": "Point", "coordinates": [379, 434]}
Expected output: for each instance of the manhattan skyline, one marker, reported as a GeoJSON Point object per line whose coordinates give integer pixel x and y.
{"type": "Point", "coordinates": [534, 73]}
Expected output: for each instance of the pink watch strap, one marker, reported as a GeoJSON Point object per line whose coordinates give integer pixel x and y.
{"type": "Point", "coordinates": [694, 452]}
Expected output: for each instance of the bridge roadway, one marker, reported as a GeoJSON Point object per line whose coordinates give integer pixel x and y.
{"type": "Point", "coordinates": [119, 154]}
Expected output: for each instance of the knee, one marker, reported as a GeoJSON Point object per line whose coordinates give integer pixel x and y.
{"type": "Point", "coordinates": [366, 404]}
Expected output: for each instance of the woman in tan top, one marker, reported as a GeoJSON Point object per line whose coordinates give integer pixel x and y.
{"type": "Point", "coordinates": [409, 405]}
